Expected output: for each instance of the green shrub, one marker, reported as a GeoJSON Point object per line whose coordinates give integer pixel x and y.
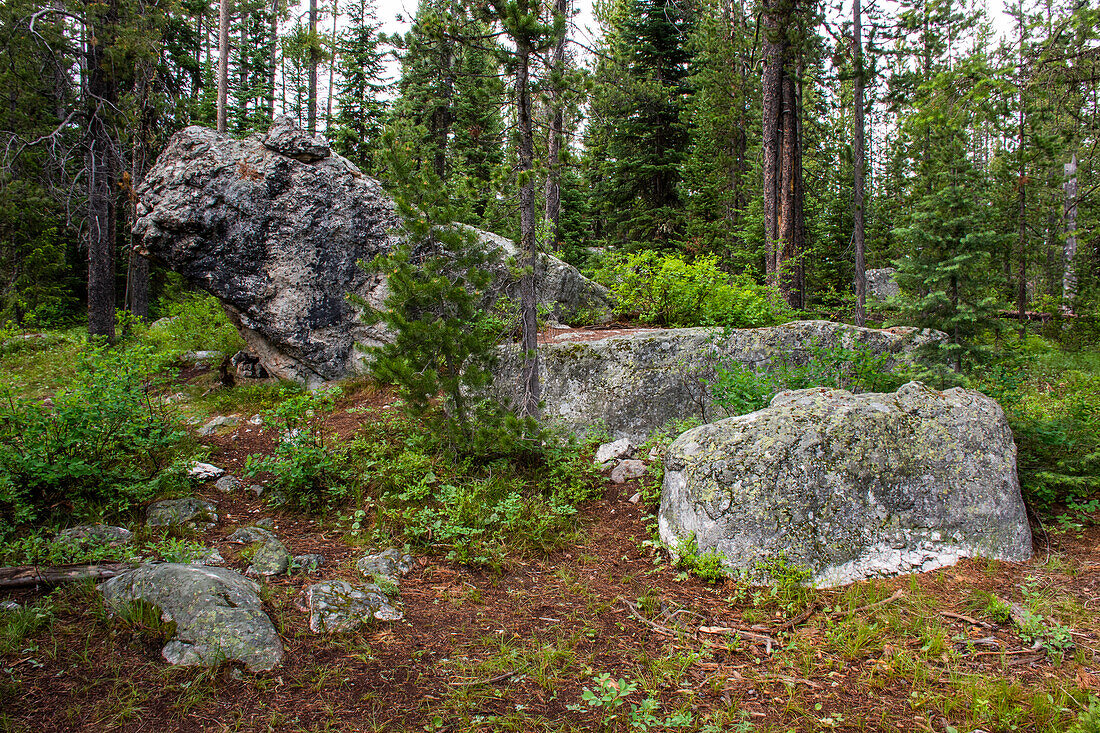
{"type": "Point", "coordinates": [195, 322]}
{"type": "Point", "coordinates": [105, 444]}
{"type": "Point", "coordinates": [740, 390]}
{"type": "Point", "coordinates": [665, 290]}
{"type": "Point", "coordinates": [311, 473]}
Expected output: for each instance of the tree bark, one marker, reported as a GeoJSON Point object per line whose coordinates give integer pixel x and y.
{"type": "Point", "coordinates": [1069, 249]}
{"type": "Point", "coordinates": [101, 94]}
{"type": "Point", "coordinates": [272, 60]}
{"type": "Point", "coordinates": [30, 575]}
{"type": "Point", "coordinates": [223, 63]}
{"type": "Point", "coordinates": [782, 153]}
{"type": "Point", "coordinates": [858, 156]}
{"type": "Point", "coordinates": [532, 393]}
{"type": "Point", "coordinates": [557, 124]}
{"type": "Point", "coordinates": [314, 57]}
{"type": "Point", "coordinates": [332, 64]}
{"type": "Point", "coordinates": [772, 104]}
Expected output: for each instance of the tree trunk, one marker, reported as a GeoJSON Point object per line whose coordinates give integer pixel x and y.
{"type": "Point", "coordinates": [272, 60]}
{"type": "Point", "coordinates": [772, 104]}
{"type": "Point", "coordinates": [529, 402]}
{"type": "Point", "coordinates": [858, 156]}
{"type": "Point", "coordinates": [1069, 249]}
{"type": "Point", "coordinates": [99, 159]}
{"type": "Point", "coordinates": [314, 57]}
{"type": "Point", "coordinates": [332, 64]}
{"type": "Point", "coordinates": [782, 154]}
{"type": "Point", "coordinates": [1021, 194]}
{"type": "Point", "coordinates": [23, 576]}
{"type": "Point", "coordinates": [223, 63]}
{"type": "Point", "coordinates": [557, 123]}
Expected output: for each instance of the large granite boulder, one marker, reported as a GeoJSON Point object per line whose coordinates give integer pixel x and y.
{"type": "Point", "coordinates": [275, 226]}
{"type": "Point", "coordinates": [217, 612]}
{"type": "Point", "coordinates": [632, 384]}
{"type": "Point", "coordinates": [850, 486]}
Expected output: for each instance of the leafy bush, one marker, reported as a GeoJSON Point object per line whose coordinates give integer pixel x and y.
{"type": "Point", "coordinates": [665, 290]}
{"type": "Point", "coordinates": [708, 566]}
{"type": "Point", "coordinates": [104, 444]}
{"type": "Point", "coordinates": [195, 322]}
{"type": "Point", "coordinates": [311, 473]}
{"type": "Point", "coordinates": [740, 390]}
{"type": "Point", "coordinates": [476, 511]}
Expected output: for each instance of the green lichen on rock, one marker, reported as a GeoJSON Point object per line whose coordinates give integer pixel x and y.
{"type": "Point", "coordinates": [851, 486]}
{"type": "Point", "coordinates": [217, 612]}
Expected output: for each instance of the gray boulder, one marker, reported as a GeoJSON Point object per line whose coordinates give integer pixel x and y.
{"type": "Point", "coordinates": [337, 606]}
{"type": "Point", "coordinates": [217, 612]}
{"type": "Point", "coordinates": [633, 384]}
{"type": "Point", "coordinates": [99, 534]}
{"type": "Point", "coordinates": [190, 511]}
{"type": "Point", "coordinates": [204, 471]}
{"type": "Point", "coordinates": [850, 486]}
{"type": "Point", "coordinates": [881, 284]}
{"type": "Point", "coordinates": [389, 564]}
{"type": "Point", "coordinates": [275, 228]}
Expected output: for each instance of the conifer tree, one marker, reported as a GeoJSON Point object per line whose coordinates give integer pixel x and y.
{"type": "Point", "coordinates": [359, 57]}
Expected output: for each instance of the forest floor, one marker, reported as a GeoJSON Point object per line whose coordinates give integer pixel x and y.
{"type": "Point", "coordinates": [516, 648]}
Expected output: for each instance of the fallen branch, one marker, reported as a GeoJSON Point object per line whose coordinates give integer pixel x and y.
{"type": "Point", "coordinates": [967, 619]}
{"type": "Point", "coordinates": [24, 576]}
{"type": "Point", "coordinates": [899, 593]}
{"type": "Point", "coordinates": [490, 681]}
{"type": "Point", "coordinates": [800, 618]}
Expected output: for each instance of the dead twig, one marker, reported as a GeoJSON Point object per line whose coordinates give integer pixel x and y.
{"type": "Point", "coordinates": [899, 593]}
{"type": "Point", "coordinates": [490, 681]}
{"type": "Point", "coordinates": [967, 619]}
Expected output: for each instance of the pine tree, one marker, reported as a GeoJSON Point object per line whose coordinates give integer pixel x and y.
{"type": "Point", "coordinates": [638, 104]}
{"type": "Point", "coordinates": [357, 132]}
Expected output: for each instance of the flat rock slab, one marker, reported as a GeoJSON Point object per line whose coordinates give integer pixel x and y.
{"type": "Point", "coordinates": [338, 606]}
{"type": "Point", "coordinates": [217, 612]}
{"type": "Point", "coordinates": [633, 384]}
{"type": "Point", "coordinates": [850, 486]}
{"type": "Point", "coordinates": [100, 534]}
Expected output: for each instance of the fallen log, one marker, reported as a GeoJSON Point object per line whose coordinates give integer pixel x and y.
{"type": "Point", "coordinates": [22, 576]}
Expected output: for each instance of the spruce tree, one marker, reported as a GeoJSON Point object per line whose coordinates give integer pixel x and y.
{"type": "Point", "coordinates": [357, 133]}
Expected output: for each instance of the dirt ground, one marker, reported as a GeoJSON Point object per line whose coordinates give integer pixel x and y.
{"type": "Point", "coordinates": [482, 650]}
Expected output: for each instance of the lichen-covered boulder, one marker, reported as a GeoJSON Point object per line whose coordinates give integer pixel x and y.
{"type": "Point", "coordinates": [389, 564]}
{"type": "Point", "coordinates": [188, 511]}
{"type": "Point", "coordinates": [337, 606]}
{"type": "Point", "coordinates": [850, 486]}
{"type": "Point", "coordinates": [217, 612]}
{"type": "Point", "coordinates": [635, 383]}
{"type": "Point", "coordinates": [269, 556]}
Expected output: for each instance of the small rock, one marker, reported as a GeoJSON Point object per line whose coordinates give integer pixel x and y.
{"type": "Point", "coordinates": [256, 420]}
{"type": "Point", "coordinates": [636, 498]}
{"type": "Point", "coordinates": [338, 606]}
{"type": "Point", "coordinates": [611, 451]}
{"type": "Point", "coordinates": [266, 523]}
{"type": "Point", "coordinates": [256, 489]}
{"type": "Point", "coordinates": [390, 564]}
{"type": "Point", "coordinates": [200, 357]}
{"type": "Point", "coordinates": [222, 421]}
{"type": "Point", "coordinates": [210, 556]}
{"type": "Point", "coordinates": [271, 558]}
{"type": "Point", "coordinates": [310, 563]}
{"type": "Point", "coordinates": [227, 484]}
{"type": "Point", "coordinates": [99, 533]}
{"type": "Point", "coordinates": [627, 470]}
{"type": "Point", "coordinates": [287, 138]}
{"type": "Point", "coordinates": [204, 471]}
{"type": "Point", "coordinates": [656, 453]}
{"type": "Point", "coordinates": [171, 512]}
{"type": "Point", "coordinates": [248, 535]}
{"type": "Point", "coordinates": [9, 606]}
